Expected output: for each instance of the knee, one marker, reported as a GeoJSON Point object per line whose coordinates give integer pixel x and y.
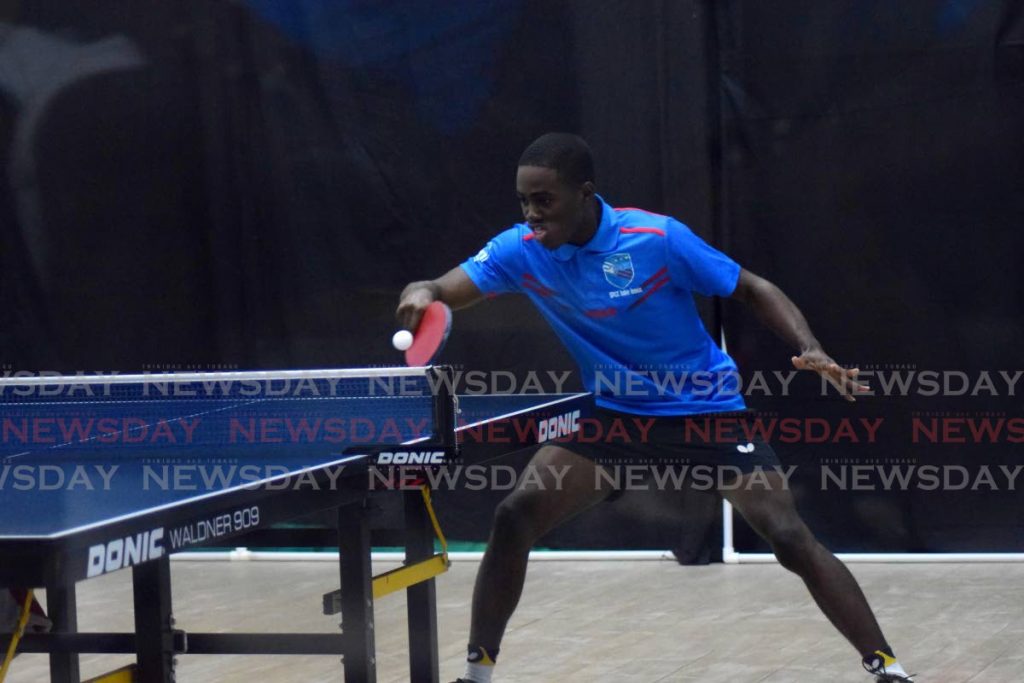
{"type": "Point", "coordinates": [514, 520]}
{"type": "Point", "coordinates": [792, 545]}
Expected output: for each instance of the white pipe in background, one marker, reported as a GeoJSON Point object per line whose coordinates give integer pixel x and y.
{"type": "Point", "coordinates": [246, 555]}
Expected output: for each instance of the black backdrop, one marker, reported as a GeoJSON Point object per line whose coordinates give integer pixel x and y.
{"type": "Point", "coordinates": [874, 167]}
{"type": "Point", "coordinates": [197, 184]}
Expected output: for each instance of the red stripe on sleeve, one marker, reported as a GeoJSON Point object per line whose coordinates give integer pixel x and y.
{"type": "Point", "coordinates": [656, 231]}
{"type": "Point", "coordinates": [533, 284]}
{"type": "Point", "coordinates": [533, 287]}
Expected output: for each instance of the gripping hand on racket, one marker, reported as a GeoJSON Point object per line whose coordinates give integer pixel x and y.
{"type": "Point", "coordinates": [453, 288]}
{"type": "Point", "coordinates": [423, 309]}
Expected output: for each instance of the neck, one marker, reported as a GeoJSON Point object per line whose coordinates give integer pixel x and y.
{"type": "Point", "coordinates": [591, 219]}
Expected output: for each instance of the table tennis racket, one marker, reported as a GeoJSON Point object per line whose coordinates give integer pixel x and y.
{"type": "Point", "coordinates": [430, 336]}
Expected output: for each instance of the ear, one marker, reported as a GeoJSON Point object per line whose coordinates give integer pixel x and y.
{"type": "Point", "coordinates": [588, 188]}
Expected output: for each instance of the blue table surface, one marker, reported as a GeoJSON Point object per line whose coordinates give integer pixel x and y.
{"type": "Point", "coordinates": [62, 468]}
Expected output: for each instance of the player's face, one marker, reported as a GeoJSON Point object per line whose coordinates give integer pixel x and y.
{"type": "Point", "coordinates": [556, 211]}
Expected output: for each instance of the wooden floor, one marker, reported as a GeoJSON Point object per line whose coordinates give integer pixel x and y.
{"type": "Point", "coordinates": [640, 622]}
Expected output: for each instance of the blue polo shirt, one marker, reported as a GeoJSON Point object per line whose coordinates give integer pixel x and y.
{"type": "Point", "coordinates": [623, 305]}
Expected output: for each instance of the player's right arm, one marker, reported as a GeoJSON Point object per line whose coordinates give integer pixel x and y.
{"type": "Point", "coordinates": [453, 288]}
{"type": "Point", "coordinates": [494, 270]}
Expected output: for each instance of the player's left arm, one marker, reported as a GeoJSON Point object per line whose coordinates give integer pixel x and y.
{"type": "Point", "coordinates": [778, 312]}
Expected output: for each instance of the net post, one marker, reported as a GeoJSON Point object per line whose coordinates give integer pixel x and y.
{"type": "Point", "coordinates": [442, 381]}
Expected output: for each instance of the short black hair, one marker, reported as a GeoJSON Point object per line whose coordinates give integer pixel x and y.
{"type": "Point", "coordinates": [567, 154]}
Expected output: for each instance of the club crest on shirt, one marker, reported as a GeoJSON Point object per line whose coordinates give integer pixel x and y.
{"type": "Point", "coordinates": [618, 270]}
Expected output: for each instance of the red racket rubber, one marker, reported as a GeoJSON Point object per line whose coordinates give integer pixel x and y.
{"type": "Point", "coordinates": [430, 336]}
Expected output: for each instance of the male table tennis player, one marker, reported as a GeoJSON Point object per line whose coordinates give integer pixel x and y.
{"type": "Point", "coordinates": [617, 287]}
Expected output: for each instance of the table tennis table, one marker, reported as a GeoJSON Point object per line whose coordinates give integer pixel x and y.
{"type": "Point", "coordinates": [107, 472]}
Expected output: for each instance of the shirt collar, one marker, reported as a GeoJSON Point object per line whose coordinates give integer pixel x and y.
{"type": "Point", "coordinates": [605, 238]}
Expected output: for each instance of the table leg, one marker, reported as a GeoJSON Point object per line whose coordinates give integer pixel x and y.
{"type": "Point", "coordinates": [421, 599]}
{"type": "Point", "coordinates": [154, 623]}
{"type": "Point", "coordinates": [356, 594]}
{"type": "Point", "coordinates": [62, 608]}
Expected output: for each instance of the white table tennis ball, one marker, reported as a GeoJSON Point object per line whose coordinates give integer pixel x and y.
{"type": "Point", "coordinates": [402, 340]}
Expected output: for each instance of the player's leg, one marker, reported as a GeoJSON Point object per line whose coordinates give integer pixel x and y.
{"type": "Point", "coordinates": [569, 484]}
{"type": "Point", "coordinates": [773, 515]}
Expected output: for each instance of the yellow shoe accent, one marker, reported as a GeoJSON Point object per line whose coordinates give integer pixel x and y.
{"type": "Point", "coordinates": [886, 659]}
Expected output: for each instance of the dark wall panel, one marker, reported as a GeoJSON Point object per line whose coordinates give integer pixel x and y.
{"type": "Point", "coordinates": [874, 169]}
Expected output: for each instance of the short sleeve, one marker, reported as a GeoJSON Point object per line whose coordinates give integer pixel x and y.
{"type": "Point", "coordinates": [696, 265]}
{"type": "Point", "coordinates": [494, 267]}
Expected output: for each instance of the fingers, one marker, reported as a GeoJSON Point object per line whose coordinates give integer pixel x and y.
{"type": "Point", "coordinates": [409, 314]}
{"type": "Point", "coordinates": [837, 378]}
{"type": "Point", "coordinates": [846, 379]}
{"type": "Point", "coordinates": [843, 379]}
{"type": "Point", "coordinates": [840, 381]}
{"type": "Point", "coordinates": [411, 307]}
{"type": "Point", "coordinates": [820, 364]}
{"type": "Point", "coordinates": [851, 381]}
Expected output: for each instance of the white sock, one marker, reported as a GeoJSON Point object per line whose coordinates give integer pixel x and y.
{"type": "Point", "coordinates": [479, 673]}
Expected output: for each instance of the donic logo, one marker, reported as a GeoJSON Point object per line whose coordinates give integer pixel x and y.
{"type": "Point", "coordinates": [125, 552]}
{"type": "Point", "coordinates": [618, 270]}
{"type": "Point", "coordinates": [411, 458]}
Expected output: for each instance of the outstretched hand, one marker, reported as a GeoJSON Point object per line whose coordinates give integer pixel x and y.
{"type": "Point", "coordinates": [843, 379]}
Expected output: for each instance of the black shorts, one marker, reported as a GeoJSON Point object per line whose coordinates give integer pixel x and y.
{"type": "Point", "coordinates": [714, 441]}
